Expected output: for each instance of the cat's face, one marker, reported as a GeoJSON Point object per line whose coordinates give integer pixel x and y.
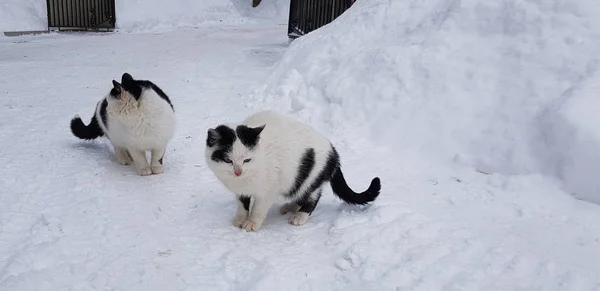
{"type": "Point", "coordinates": [233, 153]}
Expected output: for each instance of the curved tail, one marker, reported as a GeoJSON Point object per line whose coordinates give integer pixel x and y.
{"type": "Point", "coordinates": [341, 189]}
{"type": "Point", "coordinates": [86, 132]}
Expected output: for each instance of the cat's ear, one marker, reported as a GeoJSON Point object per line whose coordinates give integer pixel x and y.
{"type": "Point", "coordinates": [257, 130]}
{"type": "Point", "coordinates": [116, 90]}
{"type": "Point", "coordinates": [126, 78]}
{"type": "Point", "coordinates": [212, 137]}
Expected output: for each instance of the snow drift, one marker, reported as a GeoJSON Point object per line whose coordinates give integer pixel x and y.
{"type": "Point", "coordinates": [145, 15]}
{"type": "Point", "coordinates": [22, 15]}
{"type": "Point", "coordinates": [139, 15]}
{"type": "Point", "coordinates": [466, 81]}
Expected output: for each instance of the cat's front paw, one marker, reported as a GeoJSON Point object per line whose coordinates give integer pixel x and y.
{"type": "Point", "coordinates": [299, 218]}
{"type": "Point", "coordinates": [145, 171]}
{"type": "Point", "coordinates": [238, 221]}
{"type": "Point", "coordinates": [250, 226]}
{"type": "Point", "coordinates": [157, 169]}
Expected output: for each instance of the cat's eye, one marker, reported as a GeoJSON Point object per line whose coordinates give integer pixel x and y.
{"type": "Point", "coordinates": [247, 160]}
{"type": "Point", "coordinates": [227, 160]}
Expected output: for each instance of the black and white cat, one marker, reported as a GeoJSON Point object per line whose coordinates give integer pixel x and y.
{"type": "Point", "coordinates": [270, 156]}
{"type": "Point", "coordinates": [136, 116]}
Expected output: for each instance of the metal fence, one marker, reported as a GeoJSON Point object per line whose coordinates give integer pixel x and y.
{"type": "Point", "coordinates": [308, 15]}
{"type": "Point", "coordinates": [81, 14]}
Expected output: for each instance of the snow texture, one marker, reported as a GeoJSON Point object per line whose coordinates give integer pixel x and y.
{"type": "Point", "coordinates": [465, 81]}
{"type": "Point", "coordinates": [23, 15]}
{"type": "Point", "coordinates": [419, 93]}
{"type": "Point", "coordinates": [151, 15]}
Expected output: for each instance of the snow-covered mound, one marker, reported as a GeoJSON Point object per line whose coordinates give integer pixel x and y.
{"type": "Point", "coordinates": [145, 15]}
{"type": "Point", "coordinates": [276, 10]}
{"type": "Point", "coordinates": [22, 15]}
{"type": "Point", "coordinates": [472, 82]}
{"type": "Point", "coordinates": [570, 138]}
{"type": "Point", "coordinates": [135, 15]}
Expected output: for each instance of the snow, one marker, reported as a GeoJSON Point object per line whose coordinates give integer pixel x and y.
{"type": "Point", "coordinates": [478, 118]}
{"type": "Point", "coordinates": [464, 81]}
{"type": "Point", "coordinates": [570, 132]}
{"type": "Point", "coordinates": [152, 15]}
{"type": "Point", "coordinates": [23, 15]}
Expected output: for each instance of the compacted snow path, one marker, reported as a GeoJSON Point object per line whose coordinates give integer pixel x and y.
{"type": "Point", "coordinates": [71, 218]}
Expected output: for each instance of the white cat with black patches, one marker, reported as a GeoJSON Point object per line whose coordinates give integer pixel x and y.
{"type": "Point", "coordinates": [136, 116]}
{"type": "Point", "coordinates": [270, 156]}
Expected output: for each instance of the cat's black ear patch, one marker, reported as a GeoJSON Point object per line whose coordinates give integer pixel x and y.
{"type": "Point", "coordinates": [249, 136]}
{"type": "Point", "coordinates": [221, 136]}
{"type": "Point", "coordinates": [132, 86]}
{"type": "Point", "coordinates": [126, 78]}
{"type": "Point", "coordinates": [224, 143]}
{"type": "Point", "coordinates": [116, 90]}
{"type": "Point", "coordinates": [212, 137]}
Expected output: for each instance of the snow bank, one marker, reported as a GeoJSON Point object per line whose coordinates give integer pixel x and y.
{"type": "Point", "coordinates": [276, 10]}
{"type": "Point", "coordinates": [465, 81]}
{"type": "Point", "coordinates": [22, 15]}
{"type": "Point", "coordinates": [145, 15]}
{"type": "Point", "coordinates": [570, 138]}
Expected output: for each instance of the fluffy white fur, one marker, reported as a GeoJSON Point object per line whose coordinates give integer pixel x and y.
{"type": "Point", "coordinates": [135, 127]}
{"type": "Point", "coordinates": [272, 168]}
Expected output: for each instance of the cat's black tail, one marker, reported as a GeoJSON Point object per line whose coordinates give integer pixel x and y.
{"type": "Point", "coordinates": [87, 132]}
{"type": "Point", "coordinates": [341, 189]}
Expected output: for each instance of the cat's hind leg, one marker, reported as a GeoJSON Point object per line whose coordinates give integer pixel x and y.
{"type": "Point", "coordinates": [307, 204]}
{"type": "Point", "coordinates": [140, 162]}
{"type": "Point", "coordinates": [156, 163]}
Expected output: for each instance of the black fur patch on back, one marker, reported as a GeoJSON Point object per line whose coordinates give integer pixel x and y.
{"type": "Point", "coordinates": [224, 143]}
{"type": "Point", "coordinates": [245, 201]}
{"type": "Point", "coordinates": [137, 87]}
{"type": "Point", "coordinates": [307, 163]}
{"type": "Point", "coordinates": [103, 113]}
{"type": "Point", "coordinates": [249, 136]}
{"type": "Point", "coordinates": [307, 199]}
{"type": "Point", "coordinates": [160, 92]}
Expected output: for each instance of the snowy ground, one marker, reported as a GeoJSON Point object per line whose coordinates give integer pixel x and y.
{"type": "Point", "coordinates": [71, 218]}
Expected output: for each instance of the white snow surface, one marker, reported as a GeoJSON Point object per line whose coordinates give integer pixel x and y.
{"type": "Point", "coordinates": [156, 15]}
{"type": "Point", "coordinates": [71, 218]}
{"type": "Point", "coordinates": [152, 15]}
{"type": "Point", "coordinates": [23, 15]}
{"type": "Point", "coordinates": [467, 81]}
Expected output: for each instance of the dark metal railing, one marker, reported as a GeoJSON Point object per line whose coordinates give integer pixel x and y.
{"type": "Point", "coordinates": [308, 15]}
{"type": "Point", "coordinates": [81, 14]}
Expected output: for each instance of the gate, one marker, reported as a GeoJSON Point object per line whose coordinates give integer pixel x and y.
{"type": "Point", "coordinates": [81, 14]}
{"type": "Point", "coordinates": [308, 15]}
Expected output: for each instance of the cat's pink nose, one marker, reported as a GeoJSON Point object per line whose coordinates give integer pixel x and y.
{"type": "Point", "coordinates": [237, 172]}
